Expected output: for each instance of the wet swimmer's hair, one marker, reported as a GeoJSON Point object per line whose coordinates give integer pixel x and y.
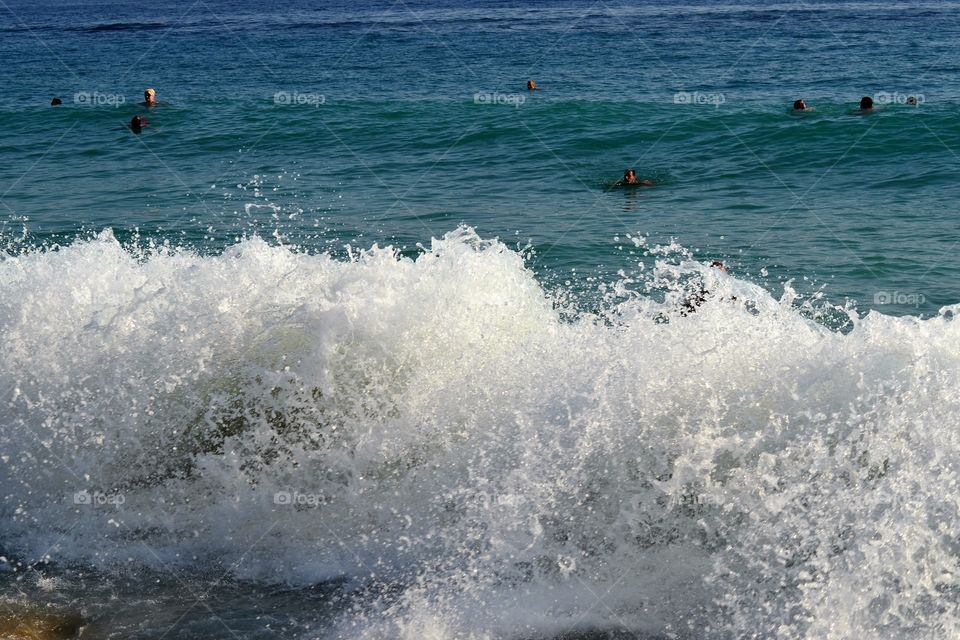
{"type": "Point", "coordinates": [630, 178]}
{"type": "Point", "coordinates": [55, 102]}
{"type": "Point", "coordinates": [799, 105]}
{"type": "Point", "coordinates": [866, 103]}
{"type": "Point", "coordinates": [150, 96]}
{"type": "Point", "coordinates": [137, 123]}
{"type": "Point", "coordinates": [701, 294]}
{"type": "Point", "coordinates": [531, 85]}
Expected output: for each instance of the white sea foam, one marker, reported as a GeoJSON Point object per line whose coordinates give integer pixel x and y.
{"type": "Point", "coordinates": [507, 467]}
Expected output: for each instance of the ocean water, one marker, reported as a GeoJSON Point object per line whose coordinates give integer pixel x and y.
{"type": "Point", "coordinates": [358, 339]}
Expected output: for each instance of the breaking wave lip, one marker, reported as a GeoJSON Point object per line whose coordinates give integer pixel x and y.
{"type": "Point", "coordinates": [441, 432]}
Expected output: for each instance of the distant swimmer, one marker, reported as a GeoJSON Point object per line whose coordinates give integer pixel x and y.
{"type": "Point", "coordinates": [55, 102]}
{"type": "Point", "coordinates": [630, 178]}
{"type": "Point", "coordinates": [150, 98]}
{"type": "Point", "coordinates": [800, 105]}
{"type": "Point", "coordinates": [866, 105]}
{"type": "Point", "coordinates": [531, 85]}
{"type": "Point", "coordinates": [137, 123]}
{"type": "Point", "coordinates": [912, 100]}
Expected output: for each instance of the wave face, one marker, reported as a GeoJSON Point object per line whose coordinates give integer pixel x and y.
{"type": "Point", "coordinates": [475, 454]}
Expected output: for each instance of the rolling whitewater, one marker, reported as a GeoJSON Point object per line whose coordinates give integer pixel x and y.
{"type": "Point", "coordinates": [358, 337]}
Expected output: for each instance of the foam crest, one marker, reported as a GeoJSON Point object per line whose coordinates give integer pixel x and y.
{"type": "Point", "coordinates": [692, 458]}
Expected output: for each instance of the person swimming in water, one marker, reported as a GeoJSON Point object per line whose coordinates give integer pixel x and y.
{"type": "Point", "coordinates": [866, 105]}
{"type": "Point", "coordinates": [150, 98]}
{"type": "Point", "coordinates": [531, 85]}
{"type": "Point", "coordinates": [800, 105]}
{"type": "Point", "coordinates": [137, 123]}
{"type": "Point", "coordinates": [56, 102]}
{"type": "Point", "coordinates": [701, 294]}
{"type": "Point", "coordinates": [630, 178]}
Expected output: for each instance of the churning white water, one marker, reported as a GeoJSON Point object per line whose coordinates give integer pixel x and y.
{"type": "Point", "coordinates": [477, 457]}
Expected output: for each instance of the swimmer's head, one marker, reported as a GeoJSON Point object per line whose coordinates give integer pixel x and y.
{"type": "Point", "coordinates": [136, 123]}
{"type": "Point", "coordinates": [55, 102]}
{"type": "Point", "coordinates": [717, 264]}
{"type": "Point", "coordinates": [629, 175]}
{"type": "Point", "coordinates": [531, 85]}
{"type": "Point", "coordinates": [150, 96]}
{"type": "Point", "coordinates": [911, 99]}
{"type": "Point", "coordinates": [866, 102]}
{"type": "Point", "coordinates": [799, 105]}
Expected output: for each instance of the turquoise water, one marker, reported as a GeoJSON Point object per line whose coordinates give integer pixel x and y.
{"type": "Point", "coordinates": [388, 145]}
{"type": "Point", "coordinates": [358, 339]}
